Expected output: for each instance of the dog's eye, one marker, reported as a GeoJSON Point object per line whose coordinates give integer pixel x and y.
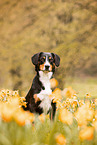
{"type": "Point", "coordinates": [51, 60]}
{"type": "Point", "coordinates": [42, 60]}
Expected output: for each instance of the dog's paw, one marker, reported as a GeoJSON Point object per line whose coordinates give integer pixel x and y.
{"type": "Point", "coordinates": [36, 98]}
{"type": "Point", "coordinates": [46, 92]}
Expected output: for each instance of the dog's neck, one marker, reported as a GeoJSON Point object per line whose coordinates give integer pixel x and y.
{"type": "Point", "coordinates": [45, 77]}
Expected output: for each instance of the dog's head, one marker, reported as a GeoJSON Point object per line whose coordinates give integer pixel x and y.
{"type": "Point", "coordinates": [44, 61]}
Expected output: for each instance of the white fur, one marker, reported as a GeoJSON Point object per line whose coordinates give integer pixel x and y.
{"type": "Point", "coordinates": [46, 62]}
{"type": "Point", "coordinates": [44, 94]}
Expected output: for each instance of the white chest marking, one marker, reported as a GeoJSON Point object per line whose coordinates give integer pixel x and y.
{"type": "Point", "coordinates": [44, 94]}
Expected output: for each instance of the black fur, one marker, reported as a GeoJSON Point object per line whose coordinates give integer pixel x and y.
{"type": "Point", "coordinates": [37, 85]}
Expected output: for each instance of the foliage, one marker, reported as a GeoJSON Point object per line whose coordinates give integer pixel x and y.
{"type": "Point", "coordinates": [75, 121]}
{"type": "Point", "coordinates": [65, 27]}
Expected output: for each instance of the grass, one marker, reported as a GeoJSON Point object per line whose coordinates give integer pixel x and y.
{"type": "Point", "coordinates": [83, 86]}
{"type": "Point", "coordinates": [80, 85]}
{"type": "Point", "coordinates": [75, 121]}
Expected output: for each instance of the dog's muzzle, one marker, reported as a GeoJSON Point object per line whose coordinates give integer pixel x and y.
{"type": "Point", "coordinates": [47, 67]}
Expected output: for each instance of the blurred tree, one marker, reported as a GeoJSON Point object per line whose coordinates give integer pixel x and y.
{"type": "Point", "coordinates": [68, 28]}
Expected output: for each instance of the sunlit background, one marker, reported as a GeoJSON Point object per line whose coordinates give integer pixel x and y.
{"type": "Point", "coordinates": [65, 27]}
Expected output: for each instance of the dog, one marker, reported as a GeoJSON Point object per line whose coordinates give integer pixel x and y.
{"type": "Point", "coordinates": [38, 100]}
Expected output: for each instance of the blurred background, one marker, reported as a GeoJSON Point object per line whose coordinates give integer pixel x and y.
{"type": "Point", "coordinates": [65, 27]}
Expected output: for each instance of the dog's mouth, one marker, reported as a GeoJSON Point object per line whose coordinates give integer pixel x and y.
{"type": "Point", "coordinates": [46, 71]}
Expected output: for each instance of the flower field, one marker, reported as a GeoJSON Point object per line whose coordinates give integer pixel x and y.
{"type": "Point", "coordinates": [75, 122]}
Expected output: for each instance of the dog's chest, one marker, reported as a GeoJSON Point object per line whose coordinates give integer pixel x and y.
{"type": "Point", "coordinates": [44, 94]}
{"type": "Point", "coordinates": [45, 80]}
{"type": "Point", "coordinates": [46, 84]}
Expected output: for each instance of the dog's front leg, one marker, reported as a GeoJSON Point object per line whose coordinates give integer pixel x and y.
{"type": "Point", "coordinates": [39, 96]}
{"type": "Point", "coordinates": [43, 94]}
{"type": "Point", "coordinates": [36, 98]}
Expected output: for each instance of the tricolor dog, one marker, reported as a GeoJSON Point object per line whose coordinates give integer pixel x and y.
{"type": "Point", "coordinates": [38, 100]}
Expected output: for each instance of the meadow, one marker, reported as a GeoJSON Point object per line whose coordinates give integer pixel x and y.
{"type": "Point", "coordinates": [82, 85]}
{"type": "Point", "coordinates": [75, 121]}
{"type": "Point", "coordinates": [69, 29]}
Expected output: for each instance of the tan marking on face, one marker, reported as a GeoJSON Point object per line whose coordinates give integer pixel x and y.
{"type": "Point", "coordinates": [49, 57]}
{"type": "Point", "coordinates": [53, 64]}
{"type": "Point", "coordinates": [44, 57]}
{"type": "Point", "coordinates": [42, 66]}
{"type": "Point", "coordinates": [50, 67]}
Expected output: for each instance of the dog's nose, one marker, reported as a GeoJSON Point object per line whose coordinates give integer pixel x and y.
{"type": "Point", "coordinates": [47, 67]}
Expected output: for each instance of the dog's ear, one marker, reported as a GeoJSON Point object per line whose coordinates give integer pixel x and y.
{"type": "Point", "coordinates": [35, 58]}
{"type": "Point", "coordinates": [57, 59]}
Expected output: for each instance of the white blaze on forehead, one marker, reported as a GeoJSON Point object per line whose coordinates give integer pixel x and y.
{"type": "Point", "coordinates": [47, 62]}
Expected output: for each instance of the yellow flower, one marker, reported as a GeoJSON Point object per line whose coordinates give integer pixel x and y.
{"type": "Point", "coordinates": [84, 114]}
{"type": "Point", "coordinates": [64, 103]}
{"type": "Point", "coordinates": [14, 101]}
{"type": "Point", "coordinates": [80, 117]}
{"type": "Point", "coordinates": [42, 117]}
{"type": "Point", "coordinates": [74, 103]}
{"type": "Point", "coordinates": [23, 117]}
{"type": "Point", "coordinates": [22, 101]}
{"type": "Point", "coordinates": [23, 104]}
{"type": "Point", "coordinates": [68, 92]}
{"type": "Point", "coordinates": [90, 114]}
{"type": "Point", "coordinates": [54, 83]}
{"type": "Point", "coordinates": [59, 105]}
{"type": "Point", "coordinates": [65, 116]}
{"type": "Point", "coordinates": [95, 101]}
{"type": "Point", "coordinates": [88, 95]}
{"type": "Point", "coordinates": [7, 112]}
{"type": "Point", "coordinates": [81, 102]}
{"type": "Point", "coordinates": [95, 114]}
{"type": "Point", "coordinates": [56, 95]}
{"type": "Point", "coordinates": [86, 133]}
{"type": "Point", "coordinates": [92, 104]}
{"type": "Point", "coordinates": [15, 93]}
{"type": "Point", "coordinates": [60, 139]}
{"type": "Point", "coordinates": [95, 124]}
{"type": "Point", "coordinates": [87, 104]}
